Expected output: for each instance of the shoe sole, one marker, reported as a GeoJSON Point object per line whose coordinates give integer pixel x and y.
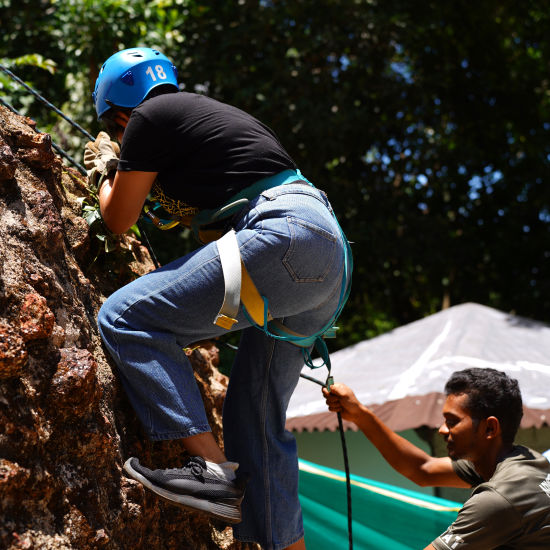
{"type": "Point", "coordinates": [228, 512]}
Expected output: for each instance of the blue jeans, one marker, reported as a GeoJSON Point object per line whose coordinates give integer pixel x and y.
{"type": "Point", "coordinates": [292, 248]}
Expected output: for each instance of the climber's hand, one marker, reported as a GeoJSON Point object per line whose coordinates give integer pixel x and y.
{"type": "Point", "coordinates": [100, 158]}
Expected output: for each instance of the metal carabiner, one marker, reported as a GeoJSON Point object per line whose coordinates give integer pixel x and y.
{"type": "Point", "coordinates": [159, 223]}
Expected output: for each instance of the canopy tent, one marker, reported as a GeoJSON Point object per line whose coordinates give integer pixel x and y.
{"type": "Point", "coordinates": [401, 374]}
{"type": "Point", "coordinates": [384, 516]}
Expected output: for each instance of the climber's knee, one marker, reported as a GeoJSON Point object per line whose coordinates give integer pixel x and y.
{"type": "Point", "coordinates": [106, 320]}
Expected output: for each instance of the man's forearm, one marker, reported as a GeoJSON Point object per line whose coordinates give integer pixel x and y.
{"type": "Point", "coordinates": [405, 457]}
{"type": "Point", "coordinates": [104, 193]}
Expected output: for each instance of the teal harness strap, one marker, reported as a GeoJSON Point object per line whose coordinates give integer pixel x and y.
{"type": "Point", "coordinates": [242, 198]}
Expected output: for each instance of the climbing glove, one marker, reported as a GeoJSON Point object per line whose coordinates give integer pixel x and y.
{"type": "Point", "coordinates": [100, 158]}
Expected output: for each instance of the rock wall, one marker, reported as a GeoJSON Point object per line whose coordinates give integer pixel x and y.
{"type": "Point", "coordinates": [65, 425]}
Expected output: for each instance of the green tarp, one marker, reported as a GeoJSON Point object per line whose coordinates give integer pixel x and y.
{"type": "Point", "coordinates": [385, 517]}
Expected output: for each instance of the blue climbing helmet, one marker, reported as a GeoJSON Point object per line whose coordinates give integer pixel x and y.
{"type": "Point", "coordinates": [129, 75]}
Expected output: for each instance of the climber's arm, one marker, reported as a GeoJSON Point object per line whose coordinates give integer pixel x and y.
{"type": "Point", "coordinates": [122, 196]}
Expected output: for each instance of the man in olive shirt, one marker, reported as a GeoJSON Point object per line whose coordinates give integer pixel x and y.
{"type": "Point", "coordinates": [510, 505]}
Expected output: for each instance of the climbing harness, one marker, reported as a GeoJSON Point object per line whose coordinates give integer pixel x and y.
{"type": "Point", "coordinates": [239, 287]}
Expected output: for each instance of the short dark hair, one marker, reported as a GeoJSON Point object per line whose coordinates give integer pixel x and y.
{"type": "Point", "coordinates": [490, 393]}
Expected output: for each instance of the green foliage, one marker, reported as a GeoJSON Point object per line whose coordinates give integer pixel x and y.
{"type": "Point", "coordinates": [427, 123]}
{"type": "Point", "coordinates": [33, 60]}
{"type": "Point", "coordinates": [13, 92]}
{"type": "Point", "coordinates": [109, 249]}
{"type": "Point", "coordinates": [112, 257]}
{"type": "Point", "coordinates": [92, 215]}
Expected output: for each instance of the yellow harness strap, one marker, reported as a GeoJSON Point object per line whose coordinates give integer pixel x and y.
{"type": "Point", "coordinates": [251, 299]}
{"type": "Point", "coordinates": [239, 286]}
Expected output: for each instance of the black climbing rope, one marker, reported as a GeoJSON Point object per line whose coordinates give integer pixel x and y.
{"type": "Point", "coordinates": [327, 385]}
{"type": "Point", "coordinates": [46, 102]}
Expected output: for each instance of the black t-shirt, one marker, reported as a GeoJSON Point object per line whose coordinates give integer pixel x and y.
{"type": "Point", "coordinates": [204, 151]}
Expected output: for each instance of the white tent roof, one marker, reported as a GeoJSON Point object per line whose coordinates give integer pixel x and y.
{"type": "Point", "coordinates": [418, 358]}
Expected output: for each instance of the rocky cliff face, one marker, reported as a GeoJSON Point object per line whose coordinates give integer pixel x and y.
{"type": "Point", "coordinates": [65, 424]}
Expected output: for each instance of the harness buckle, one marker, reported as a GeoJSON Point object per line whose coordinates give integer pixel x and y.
{"type": "Point", "coordinates": [161, 224]}
{"type": "Point", "coordinates": [331, 332]}
{"type": "Point", "coordinates": [224, 321]}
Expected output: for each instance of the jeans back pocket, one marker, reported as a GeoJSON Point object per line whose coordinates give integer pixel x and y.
{"type": "Point", "coordinates": [311, 253]}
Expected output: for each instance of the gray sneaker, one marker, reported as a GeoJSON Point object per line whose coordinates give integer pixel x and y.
{"type": "Point", "coordinates": [193, 487]}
